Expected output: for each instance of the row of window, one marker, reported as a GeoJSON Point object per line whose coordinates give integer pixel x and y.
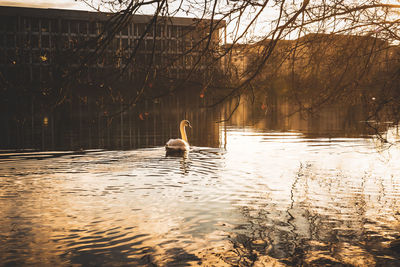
{"type": "Point", "coordinates": [33, 41]}
{"type": "Point", "coordinates": [36, 25]}
{"type": "Point", "coordinates": [45, 74]}
{"type": "Point", "coordinates": [12, 39]}
{"type": "Point", "coordinates": [13, 57]}
{"type": "Point", "coordinates": [45, 57]}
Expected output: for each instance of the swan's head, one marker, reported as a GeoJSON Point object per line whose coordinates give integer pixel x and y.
{"type": "Point", "coordinates": [185, 123]}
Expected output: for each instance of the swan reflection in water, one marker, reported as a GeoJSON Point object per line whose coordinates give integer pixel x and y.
{"type": "Point", "coordinates": [179, 146]}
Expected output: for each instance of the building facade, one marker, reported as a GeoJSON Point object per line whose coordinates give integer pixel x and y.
{"type": "Point", "coordinates": [33, 41]}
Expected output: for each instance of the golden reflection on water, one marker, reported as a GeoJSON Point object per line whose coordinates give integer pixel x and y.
{"type": "Point", "coordinates": [264, 197]}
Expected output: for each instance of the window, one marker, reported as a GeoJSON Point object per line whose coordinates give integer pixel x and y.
{"type": "Point", "coordinates": [135, 30]}
{"type": "Point", "coordinates": [34, 41]}
{"type": "Point", "coordinates": [35, 56]}
{"type": "Point", "coordinates": [35, 25]}
{"type": "Point", "coordinates": [3, 21]}
{"type": "Point", "coordinates": [140, 59]}
{"type": "Point", "coordinates": [158, 45]}
{"type": "Point", "coordinates": [150, 31]}
{"type": "Point", "coordinates": [11, 24]}
{"type": "Point", "coordinates": [64, 26]}
{"type": "Point", "coordinates": [172, 45]}
{"type": "Point", "coordinates": [74, 26]}
{"type": "Point", "coordinates": [24, 72]}
{"type": "Point", "coordinates": [92, 27]}
{"type": "Point", "coordinates": [2, 57]}
{"type": "Point", "coordinates": [131, 30]}
{"type": "Point", "coordinates": [174, 31]}
{"type": "Point", "coordinates": [109, 57]}
{"type": "Point", "coordinates": [188, 61]}
{"type": "Point", "coordinates": [53, 25]}
{"type": "Point", "coordinates": [45, 25]}
{"type": "Point", "coordinates": [11, 74]}
{"type": "Point", "coordinates": [125, 43]}
{"type": "Point", "coordinates": [125, 31]}
{"type": "Point", "coordinates": [159, 30]}
{"type": "Point", "coordinates": [92, 41]}
{"type": "Point", "coordinates": [83, 27]}
{"type": "Point", "coordinates": [11, 56]}
{"type": "Point", "coordinates": [36, 73]}
{"type": "Point", "coordinates": [45, 41]}
{"type": "Point", "coordinates": [53, 42]}
{"type": "Point", "coordinates": [26, 24]}
{"type": "Point", "coordinates": [73, 42]}
{"type": "Point", "coordinates": [101, 26]}
{"type": "Point", "coordinates": [141, 47]}
{"type": "Point", "coordinates": [65, 41]}
{"type": "Point", "coordinates": [45, 74]}
{"type": "Point", "coordinates": [92, 74]}
{"type": "Point", "coordinates": [25, 56]}
{"type": "Point", "coordinates": [116, 43]}
{"type": "Point", "coordinates": [149, 45]}
{"type": "Point", "coordinates": [157, 59]}
{"type": "Point", "coordinates": [101, 60]}
{"type": "Point", "coordinates": [125, 58]}
{"type": "Point", "coordinates": [141, 29]}
{"type": "Point", "coordinates": [10, 40]}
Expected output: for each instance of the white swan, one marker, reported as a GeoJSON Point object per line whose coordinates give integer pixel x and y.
{"type": "Point", "coordinates": [179, 145]}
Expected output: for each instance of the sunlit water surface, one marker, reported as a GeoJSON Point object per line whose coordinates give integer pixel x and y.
{"type": "Point", "coordinates": [262, 198]}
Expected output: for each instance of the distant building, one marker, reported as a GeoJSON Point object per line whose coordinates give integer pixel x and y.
{"type": "Point", "coordinates": [33, 42]}
{"type": "Point", "coordinates": [311, 54]}
{"type": "Point", "coordinates": [237, 60]}
{"type": "Point", "coordinates": [243, 58]}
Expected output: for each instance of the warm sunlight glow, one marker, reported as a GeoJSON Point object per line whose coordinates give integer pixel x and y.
{"type": "Point", "coordinates": [62, 4]}
{"type": "Point", "coordinates": [199, 133]}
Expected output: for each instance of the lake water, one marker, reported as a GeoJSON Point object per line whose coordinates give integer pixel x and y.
{"type": "Point", "coordinates": [251, 192]}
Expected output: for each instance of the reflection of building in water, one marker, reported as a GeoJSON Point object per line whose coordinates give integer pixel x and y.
{"type": "Point", "coordinates": [64, 83]}
{"type": "Point", "coordinates": [339, 120]}
{"type": "Point", "coordinates": [82, 125]}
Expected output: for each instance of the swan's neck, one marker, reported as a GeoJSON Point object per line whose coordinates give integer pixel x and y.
{"type": "Point", "coordinates": [183, 132]}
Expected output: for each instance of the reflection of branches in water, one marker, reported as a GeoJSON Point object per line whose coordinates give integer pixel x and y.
{"type": "Point", "coordinates": [313, 232]}
{"type": "Point", "coordinates": [298, 251]}
{"type": "Point", "coordinates": [122, 255]}
{"type": "Point", "coordinates": [231, 112]}
{"type": "Point", "coordinates": [381, 134]}
{"type": "Point", "coordinates": [335, 120]}
{"type": "Point", "coordinates": [252, 241]}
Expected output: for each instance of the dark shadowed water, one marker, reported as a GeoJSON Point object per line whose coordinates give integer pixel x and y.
{"type": "Point", "coordinates": [268, 193]}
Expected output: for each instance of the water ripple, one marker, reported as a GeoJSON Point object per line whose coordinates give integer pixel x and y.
{"type": "Point", "coordinates": [267, 198]}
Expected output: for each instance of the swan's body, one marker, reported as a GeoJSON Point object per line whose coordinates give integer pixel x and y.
{"type": "Point", "coordinates": [179, 145]}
